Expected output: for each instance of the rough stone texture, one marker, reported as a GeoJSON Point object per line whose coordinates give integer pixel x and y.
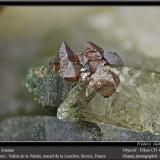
{"type": "Point", "coordinates": [45, 128]}
{"type": "Point", "coordinates": [113, 133]}
{"type": "Point", "coordinates": [46, 86]}
{"type": "Point", "coordinates": [22, 129]}
{"type": "Point", "coordinates": [57, 130]}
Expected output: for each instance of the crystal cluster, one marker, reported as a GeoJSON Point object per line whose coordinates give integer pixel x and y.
{"type": "Point", "coordinates": [93, 68]}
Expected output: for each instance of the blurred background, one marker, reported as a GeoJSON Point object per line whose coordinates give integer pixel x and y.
{"type": "Point", "coordinates": [29, 35]}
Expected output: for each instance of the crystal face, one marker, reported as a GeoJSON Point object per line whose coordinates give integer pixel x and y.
{"type": "Point", "coordinates": [93, 68]}
{"type": "Point", "coordinates": [113, 58]}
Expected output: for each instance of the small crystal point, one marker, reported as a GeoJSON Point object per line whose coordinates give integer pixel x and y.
{"type": "Point", "coordinates": [113, 58]}
{"type": "Point", "coordinates": [65, 51]}
{"type": "Point", "coordinates": [92, 46]}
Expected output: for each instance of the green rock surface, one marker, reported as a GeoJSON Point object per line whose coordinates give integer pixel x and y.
{"type": "Point", "coordinates": [135, 105]}
{"type": "Point", "coordinates": [46, 86]}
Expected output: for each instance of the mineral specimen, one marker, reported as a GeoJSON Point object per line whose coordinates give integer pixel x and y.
{"type": "Point", "coordinates": [92, 68]}
{"type": "Point", "coordinates": [134, 105]}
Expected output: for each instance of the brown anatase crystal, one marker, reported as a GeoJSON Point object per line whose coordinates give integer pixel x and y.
{"type": "Point", "coordinates": [90, 68]}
